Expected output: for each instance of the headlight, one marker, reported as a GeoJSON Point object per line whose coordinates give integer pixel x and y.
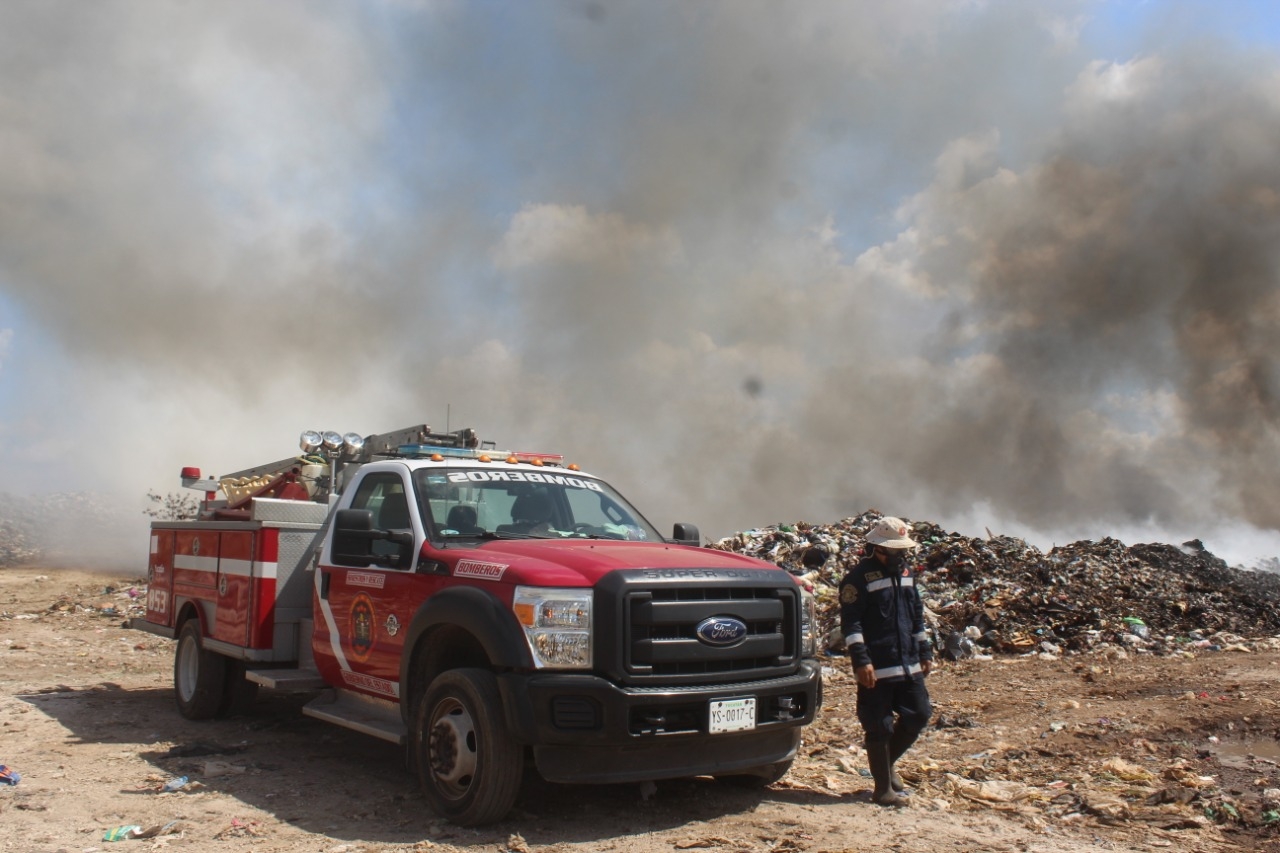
{"type": "Point", "coordinates": [557, 624]}
{"type": "Point", "coordinates": [808, 625]}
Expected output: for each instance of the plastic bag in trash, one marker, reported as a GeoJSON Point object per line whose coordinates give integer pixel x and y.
{"type": "Point", "coordinates": [1137, 627]}
{"type": "Point", "coordinates": [174, 785]}
{"type": "Point", "coordinates": [9, 776]}
{"type": "Point", "coordinates": [959, 647]}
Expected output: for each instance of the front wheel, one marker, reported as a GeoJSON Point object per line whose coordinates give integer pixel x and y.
{"type": "Point", "coordinates": [198, 675]}
{"type": "Point", "coordinates": [468, 764]}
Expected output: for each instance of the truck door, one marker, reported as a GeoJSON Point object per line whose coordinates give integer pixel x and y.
{"type": "Point", "coordinates": [363, 610]}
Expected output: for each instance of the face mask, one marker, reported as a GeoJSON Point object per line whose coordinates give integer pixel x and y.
{"type": "Point", "coordinates": [894, 559]}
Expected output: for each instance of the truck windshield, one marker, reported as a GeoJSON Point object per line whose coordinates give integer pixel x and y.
{"type": "Point", "coordinates": [465, 502]}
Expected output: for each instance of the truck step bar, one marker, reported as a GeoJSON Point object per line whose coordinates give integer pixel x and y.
{"type": "Point", "coordinates": [365, 714]}
{"type": "Point", "coordinates": [286, 679]}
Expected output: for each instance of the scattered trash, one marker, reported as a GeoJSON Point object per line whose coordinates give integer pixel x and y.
{"type": "Point", "coordinates": [1127, 771]}
{"type": "Point", "coordinates": [1137, 627]}
{"type": "Point", "coordinates": [173, 827]}
{"type": "Point", "coordinates": [122, 833]}
{"type": "Point", "coordinates": [1107, 806]}
{"type": "Point", "coordinates": [990, 790]}
{"type": "Point", "coordinates": [1222, 812]}
{"type": "Point", "coordinates": [959, 646]}
{"type": "Point", "coordinates": [8, 776]}
{"type": "Point", "coordinates": [174, 785]}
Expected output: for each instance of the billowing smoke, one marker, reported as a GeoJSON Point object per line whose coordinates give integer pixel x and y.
{"type": "Point", "coordinates": [753, 262]}
{"type": "Point", "coordinates": [1123, 293]}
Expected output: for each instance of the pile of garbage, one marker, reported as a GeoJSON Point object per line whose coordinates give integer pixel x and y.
{"type": "Point", "coordinates": [1002, 595]}
{"type": "Point", "coordinates": [62, 527]}
{"type": "Point", "coordinates": [18, 539]}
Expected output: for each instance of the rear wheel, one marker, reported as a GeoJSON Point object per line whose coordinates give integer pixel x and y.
{"type": "Point", "coordinates": [468, 764]}
{"type": "Point", "coordinates": [199, 676]}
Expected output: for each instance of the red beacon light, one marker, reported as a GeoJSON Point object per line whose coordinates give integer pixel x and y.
{"type": "Point", "coordinates": [537, 458]}
{"type": "Point", "coordinates": [191, 480]}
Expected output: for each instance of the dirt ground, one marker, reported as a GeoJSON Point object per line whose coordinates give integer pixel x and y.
{"type": "Point", "coordinates": [1089, 752]}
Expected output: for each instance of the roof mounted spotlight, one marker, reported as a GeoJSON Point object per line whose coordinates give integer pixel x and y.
{"type": "Point", "coordinates": [309, 441]}
{"type": "Point", "coordinates": [352, 444]}
{"type": "Point", "coordinates": [332, 440]}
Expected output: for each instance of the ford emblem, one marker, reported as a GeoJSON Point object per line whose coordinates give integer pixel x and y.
{"type": "Point", "coordinates": [722, 631]}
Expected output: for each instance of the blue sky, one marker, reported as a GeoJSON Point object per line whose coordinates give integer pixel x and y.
{"type": "Point", "coordinates": [993, 264]}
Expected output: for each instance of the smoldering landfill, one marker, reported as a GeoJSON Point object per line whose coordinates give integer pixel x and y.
{"type": "Point", "coordinates": [63, 528]}
{"type": "Point", "coordinates": [1122, 612]}
{"type": "Point", "coordinates": [1002, 596]}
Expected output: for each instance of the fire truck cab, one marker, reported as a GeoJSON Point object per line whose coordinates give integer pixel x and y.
{"type": "Point", "coordinates": [486, 610]}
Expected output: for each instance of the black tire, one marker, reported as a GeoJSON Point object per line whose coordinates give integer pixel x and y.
{"type": "Point", "coordinates": [757, 777]}
{"type": "Point", "coordinates": [467, 763]}
{"type": "Point", "coordinates": [238, 692]}
{"type": "Point", "coordinates": [199, 676]}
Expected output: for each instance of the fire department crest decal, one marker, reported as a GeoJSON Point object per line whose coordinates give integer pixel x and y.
{"type": "Point", "coordinates": [848, 594]}
{"type": "Point", "coordinates": [392, 625]}
{"type": "Point", "coordinates": [361, 627]}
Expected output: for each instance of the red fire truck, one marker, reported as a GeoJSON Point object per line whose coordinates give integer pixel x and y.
{"type": "Point", "coordinates": [485, 609]}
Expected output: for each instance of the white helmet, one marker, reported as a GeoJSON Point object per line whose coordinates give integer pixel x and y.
{"type": "Point", "coordinates": [890, 532]}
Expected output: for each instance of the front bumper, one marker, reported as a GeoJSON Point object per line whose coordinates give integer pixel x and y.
{"type": "Point", "coordinates": [585, 729]}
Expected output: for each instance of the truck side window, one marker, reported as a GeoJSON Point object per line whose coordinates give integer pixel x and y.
{"type": "Point", "coordinates": [384, 496]}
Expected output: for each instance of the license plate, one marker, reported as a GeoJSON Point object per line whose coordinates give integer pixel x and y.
{"type": "Point", "coordinates": [732, 715]}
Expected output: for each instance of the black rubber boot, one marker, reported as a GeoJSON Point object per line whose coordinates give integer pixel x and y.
{"type": "Point", "coordinates": [878, 759]}
{"type": "Point", "coordinates": [899, 743]}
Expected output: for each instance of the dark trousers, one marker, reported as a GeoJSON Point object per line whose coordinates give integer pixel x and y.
{"type": "Point", "coordinates": [907, 699]}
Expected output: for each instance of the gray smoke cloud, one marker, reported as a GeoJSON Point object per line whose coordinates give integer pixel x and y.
{"type": "Point", "coordinates": [753, 262]}
{"type": "Point", "coordinates": [1125, 290]}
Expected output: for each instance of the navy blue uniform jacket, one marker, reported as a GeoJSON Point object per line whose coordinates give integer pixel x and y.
{"type": "Point", "coordinates": [882, 619]}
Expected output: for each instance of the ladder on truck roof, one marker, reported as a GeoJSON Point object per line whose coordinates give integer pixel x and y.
{"type": "Point", "coordinates": [280, 478]}
{"type": "Point", "coordinates": [384, 445]}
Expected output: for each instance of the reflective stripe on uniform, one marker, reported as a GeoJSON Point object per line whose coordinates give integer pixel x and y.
{"type": "Point", "coordinates": [897, 671]}
{"type": "Point", "coordinates": [885, 583]}
{"type": "Point", "coordinates": [853, 638]}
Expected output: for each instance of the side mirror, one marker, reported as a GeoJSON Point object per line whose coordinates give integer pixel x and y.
{"type": "Point", "coordinates": [686, 534]}
{"type": "Point", "coordinates": [353, 536]}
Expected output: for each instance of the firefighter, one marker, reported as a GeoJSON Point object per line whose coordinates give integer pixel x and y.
{"type": "Point", "coordinates": [882, 619]}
